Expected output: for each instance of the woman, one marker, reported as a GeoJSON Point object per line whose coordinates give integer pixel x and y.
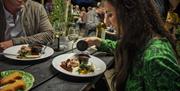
{"type": "Point", "coordinates": [145, 57]}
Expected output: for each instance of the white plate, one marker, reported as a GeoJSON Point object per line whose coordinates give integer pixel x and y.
{"type": "Point", "coordinates": [14, 50]}
{"type": "Point", "coordinates": [100, 66]}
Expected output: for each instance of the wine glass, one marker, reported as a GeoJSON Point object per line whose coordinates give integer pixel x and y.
{"type": "Point", "coordinates": [73, 34]}
{"type": "Point", "coordinates": [58, 33]}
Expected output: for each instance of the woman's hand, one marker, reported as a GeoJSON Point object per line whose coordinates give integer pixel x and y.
{"type": "Point", "coordinates": [93, 41]}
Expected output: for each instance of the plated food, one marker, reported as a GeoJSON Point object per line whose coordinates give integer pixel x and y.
{"type": "Point", "coordinates": [30, 51]}
{"type": "Point", "coordinates": [15, 80]}
{"type": "Point", "coordinates": [78, 63]}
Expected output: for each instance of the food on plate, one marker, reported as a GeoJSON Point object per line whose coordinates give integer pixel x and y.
{"type": "Point", "coordinates": [30, 51]}
{"type": "Point", "coordinates": [69, 64]}
{"type": "Point", "coordinates": [83, 58]}
{"type": "Point", "coordinates": [12, 82]}
{"type": "Point", "coordinates": [36, 49]}
{"type": "Point", "coordinates": [11, 78]}
{"type": "Point", "coordinates": [78, 63]}
{"type": "Point", "coordinates": [18, 84]}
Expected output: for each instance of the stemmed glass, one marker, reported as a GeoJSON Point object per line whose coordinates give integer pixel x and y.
{"type": "Point", "coordinates": [73, 34]}
{"type": "Point", "coordinates": [58, 33]}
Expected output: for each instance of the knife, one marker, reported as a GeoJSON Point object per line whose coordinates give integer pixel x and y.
{"type": "Point", "coordinates": [2, 53]}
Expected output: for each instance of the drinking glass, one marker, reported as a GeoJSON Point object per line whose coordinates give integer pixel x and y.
{"type": "Point", "coordinates": [73, 34]}
{"type": "Point", "coordinates": [58, 33]}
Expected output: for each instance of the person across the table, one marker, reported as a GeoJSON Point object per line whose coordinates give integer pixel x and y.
{"type": "Point", "coordinates": [23, 21]}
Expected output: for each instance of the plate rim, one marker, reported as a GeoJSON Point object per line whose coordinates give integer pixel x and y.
{"type": "Point", "coordinates": [74, 75]}
{"type": "Point", "coordinates": [33, 79]}
{"type": "Point", "coordinates": [26, 59]}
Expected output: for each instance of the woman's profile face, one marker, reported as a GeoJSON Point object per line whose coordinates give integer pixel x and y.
{"type": "Point", "coordinates": [111, 11]}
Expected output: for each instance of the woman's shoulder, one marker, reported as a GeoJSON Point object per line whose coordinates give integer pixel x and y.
{"type": "Point", "coordinates": [159, 49]}
{"type": "Point", "coordinates": [160, 62]}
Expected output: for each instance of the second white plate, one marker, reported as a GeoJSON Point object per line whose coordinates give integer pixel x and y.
{"type": "Point", "coordinates": [14, 50]}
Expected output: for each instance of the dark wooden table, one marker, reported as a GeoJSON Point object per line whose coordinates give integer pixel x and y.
{"type": "Point", "coordinates": [49, 79]}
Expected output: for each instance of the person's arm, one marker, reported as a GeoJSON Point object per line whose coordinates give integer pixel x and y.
{"type": "Point", "coordinates": [161, 71]}
{"type": "Point", "coordinates": [5, 44]}
{"type": "Point", "coordinates": [102, 45]}
{"type": "Point", "coordinates": [162, 75]}
{"type": "Point", "coordinates": [107, 46]}
{"type": "Point", "coordinates": [44, 33]}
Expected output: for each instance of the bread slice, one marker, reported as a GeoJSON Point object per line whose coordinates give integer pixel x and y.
{"type": "Point", "coordinates": [18, 84]}
{"type": "Point", "coordinates": [11, 78]}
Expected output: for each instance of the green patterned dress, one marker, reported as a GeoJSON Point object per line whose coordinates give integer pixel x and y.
{"type": "Point", "coordinates": [156, 69]}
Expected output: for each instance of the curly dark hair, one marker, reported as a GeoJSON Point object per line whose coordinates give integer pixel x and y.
{"type": "Point", "coordinates": [139, 22]}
